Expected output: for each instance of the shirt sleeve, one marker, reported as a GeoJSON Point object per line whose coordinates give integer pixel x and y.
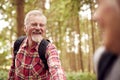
{"type": "Point", "coordinates": [54, 63]}
{"type": "Point", "coordinates": [12, 70]}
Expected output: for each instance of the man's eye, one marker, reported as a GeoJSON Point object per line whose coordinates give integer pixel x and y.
{"type": "Point", "coordinates": [33, 24]}
{"type": "Point", "coordinates": [41, 25]}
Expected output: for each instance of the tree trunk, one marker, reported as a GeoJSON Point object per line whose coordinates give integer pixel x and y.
{"type": "Point", "coordinates": [20, 17]}
{"type": "Point", "coordinates": [92, 32]}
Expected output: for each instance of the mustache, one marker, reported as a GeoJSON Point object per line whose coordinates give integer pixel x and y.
{"type": "Point", "coordinates": [36, 31]}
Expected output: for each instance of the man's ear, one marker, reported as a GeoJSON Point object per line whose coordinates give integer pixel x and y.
{"type": "Point", "coordinates": [25, 29]}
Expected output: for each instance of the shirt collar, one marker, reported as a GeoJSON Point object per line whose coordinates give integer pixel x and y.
{"type": "Point", "coordinates": [25, 44]}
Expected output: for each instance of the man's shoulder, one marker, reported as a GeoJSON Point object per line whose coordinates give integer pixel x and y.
{"type": "Point", "coordinates": [97, 55]}
{"type": "Point", "coordinates": [51, 46]}
{"type": "Point", "coordinates": [52, 49]}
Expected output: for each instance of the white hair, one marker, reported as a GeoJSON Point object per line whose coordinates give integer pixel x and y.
{"type": "Point", "coordinates": [33, 13]}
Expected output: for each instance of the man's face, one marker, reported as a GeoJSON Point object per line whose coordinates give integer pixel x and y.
{"type": "Point", "coordinates": [107, 16]}
{"type": "Point", "coordinates": [36, 28]}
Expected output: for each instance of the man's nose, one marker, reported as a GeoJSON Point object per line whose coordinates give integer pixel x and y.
{"type": "Point", "coordinates": [38, 26]}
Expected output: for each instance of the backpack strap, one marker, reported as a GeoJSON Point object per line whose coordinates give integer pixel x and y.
{"type": "Point", "coordinates": [105, 64]}
{"type": "Point", "coordinates": [42, 51]}
{"type": "Point", "coordinates": [17, 44]}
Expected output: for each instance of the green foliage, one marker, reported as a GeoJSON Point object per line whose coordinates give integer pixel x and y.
{"type": "Point", "coordinates": [69, 75]}
{"type": "Point", "coordinates": [3, 74]}
{"type": "Point", "coordinates": [80, 76]}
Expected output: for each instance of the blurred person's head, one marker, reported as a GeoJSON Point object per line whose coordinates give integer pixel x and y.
{"type": "Point", "coordinates": [107, 16]}
{"type": "Point", "coordinates": [35, 25]}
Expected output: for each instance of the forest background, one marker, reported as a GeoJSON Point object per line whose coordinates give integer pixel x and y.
{"type": "Point", "coordinates": [70, 27]}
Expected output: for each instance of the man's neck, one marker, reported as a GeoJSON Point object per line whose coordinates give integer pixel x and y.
{"type": "Point", "coordinates": [114, 46]}
{"type": "Point", "coordinates": [30, 43]}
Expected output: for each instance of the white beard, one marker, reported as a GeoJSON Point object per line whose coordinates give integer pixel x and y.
{"type": "Point", "coordinates": [37, 38]}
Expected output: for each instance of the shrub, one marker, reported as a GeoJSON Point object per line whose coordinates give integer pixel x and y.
{"type": "Point", "coordinates": [69, 75]}
{"type": "Point", "coordinates": [80, 76]}
{"type": "Point", "coordinates": [3, 74]}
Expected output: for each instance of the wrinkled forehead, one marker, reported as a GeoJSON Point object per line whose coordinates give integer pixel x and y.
{"type": "Point", "coordinates": [36, 17]}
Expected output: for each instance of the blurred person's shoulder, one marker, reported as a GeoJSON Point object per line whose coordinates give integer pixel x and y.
{"type": "Point", "coordinates": [99, 52]}
{"type": "Point", "coordinates": [97, 55]}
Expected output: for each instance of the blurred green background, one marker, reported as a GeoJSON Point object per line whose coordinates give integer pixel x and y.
{"type": "Point", "coordinates": [70, 27]}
